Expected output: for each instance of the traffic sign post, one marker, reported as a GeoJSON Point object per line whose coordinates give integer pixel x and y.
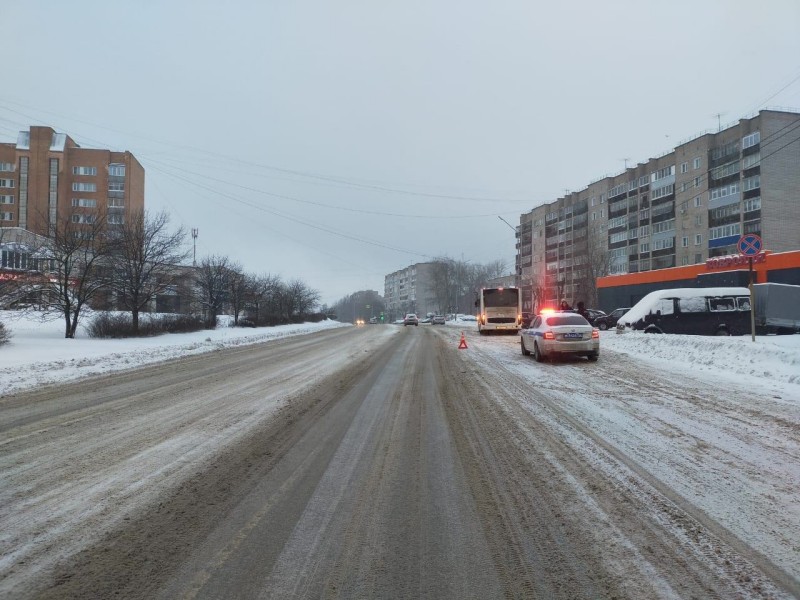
{"type": "Point", "coordinates": [750, 245]}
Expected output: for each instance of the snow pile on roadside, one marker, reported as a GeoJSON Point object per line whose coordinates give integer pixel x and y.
{"type": "Point", "coordinates": [775, 358]}
{"type": "Point", "coordinates": [38, 353]}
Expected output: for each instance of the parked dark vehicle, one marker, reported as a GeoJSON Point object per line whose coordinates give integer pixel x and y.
{"type": "Point", "coordinates": [593, 313]}
{"type": "Point", "coordinates": [777, 308]}
{"type": "Point", "coordinates": [692, 311]}
{"type": "Point", "coordinates": [610, 320]}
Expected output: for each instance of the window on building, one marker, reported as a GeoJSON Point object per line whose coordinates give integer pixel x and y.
{"type": "Point", "coordinates": [697, 181]}
{"type": "Point", "coordinates": [752, 204]}
{"type": "Point", "coordinates": [698, 258]}
{"type": "Point", "coordinates": [697, 202]}
{"type": "Point", "coordinates": [84, 170]}
{"type": "Point", "coordinates": [664, 226]}
{"type": "Point", "coordinates": [116, 203]}
{"type": "Point", "coordinates": [663, 191]}
{"type": "Point", "coordinates": [644, 247]}
{"type": "Point", "coordinates": [84, 202]}
{"type": "Point", "coordinates": [723, 231]}
{"type": "Point", "coordinates": [6, 183]}
{"type": "Point", "coordinates": [6, 199]}
{"type": "Point", "coordinates": [751, 140]}
{"type": "Point", "coordinates": [643, 180]}
{"type": "Point", "coordinates": [6, 216]}
{"type": "Point", "coordinates": [685, 241]}
{"type": "Point", "coordinates": [698, 220]}
{"type": "Point", "coordinates": [116, 219]}
{"type": "Point", "coordinates": [664, 243]}
{"type": "Point", "coordinates": [84, 187]}
{"type": "Point", "coordinates": [684, 167]}
{"type": "Point", "coordinates": [4, 166]}
{"type": "Point", "coordinates": [116, 170]}
{"type": "Point", "coordinates": [697, 162]}
{"type": "Point", "coordinates": [754, 160]}
{"type": "Point", "coordinates": [684, 260]}
{"type": "Point", "coordinates": [116, 186]}
{"type": "Point", "coordinates": [698, 239]}
{"type": "Point", "coordinates": [751, 183]}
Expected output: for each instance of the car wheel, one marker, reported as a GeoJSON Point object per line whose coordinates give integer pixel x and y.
{"type": "Point", "coordinates": [722, 331]}
{"type": "Point", "coordinates": [594, 357]}
{"type": "Point", "coordinates": [525, 351]}
{"type": "Point", "coordinates": [602, 326]}
{"type": "Point", "coordinates": [537, 354]}
{"type": "Point", "coordinates": [653, 329]}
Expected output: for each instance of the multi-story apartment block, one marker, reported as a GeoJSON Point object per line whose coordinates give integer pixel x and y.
{"type": "Point", "coordinates": [410, 290]}
{"type": "Point", "coordinates": [692, 204]}
{"type": "Point", "coordinates": [46, 177]}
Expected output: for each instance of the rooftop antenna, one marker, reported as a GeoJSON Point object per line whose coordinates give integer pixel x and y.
{"type": "Point", "coordinates": [719, 120]}
{"type": "Point", "coordinates": [194, 246]}
{"type": "Point", "coordinates": [625, 162]}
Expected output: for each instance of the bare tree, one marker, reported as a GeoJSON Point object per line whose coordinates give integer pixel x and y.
{"type": "Point", "coordinates": [299, 299]}
{"type": "Point", "coordinates": [144, 250]}
{"type": "Point", "coordinates": [238, 284]}
{"type": "Point", "coordinates": [212, 289]}
{"type": "Point", "coordinates": [264, 299]}
{"type": "Point", "coordinates": [77, 253]}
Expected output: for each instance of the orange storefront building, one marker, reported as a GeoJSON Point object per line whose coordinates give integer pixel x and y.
{"type": "Point", "coordinates": [626, 290]}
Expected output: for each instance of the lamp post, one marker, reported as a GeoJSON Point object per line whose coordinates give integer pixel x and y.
{"type": "Point", "coordinates": [517, 266]}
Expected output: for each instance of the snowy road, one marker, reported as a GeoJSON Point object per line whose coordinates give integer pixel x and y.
{"type": "Point", "coordinates": [383, 462]}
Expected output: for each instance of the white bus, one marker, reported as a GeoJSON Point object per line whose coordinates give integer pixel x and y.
{"type": "Point", "coordinates": [499, 309]}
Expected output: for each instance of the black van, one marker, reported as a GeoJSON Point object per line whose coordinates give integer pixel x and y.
{"type": "Point", "coordinates": [692, 311]}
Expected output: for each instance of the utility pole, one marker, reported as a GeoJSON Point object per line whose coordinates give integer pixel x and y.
{"type": "Point", "coordinates": [194, 246]}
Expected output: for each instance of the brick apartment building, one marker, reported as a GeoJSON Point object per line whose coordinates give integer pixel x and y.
{"type": "Point", "coordinates": [679, 209]}
{"type": "Point", "coordinates": [46, 177]}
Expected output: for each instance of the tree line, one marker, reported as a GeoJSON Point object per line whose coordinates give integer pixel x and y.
{"type": "Point", "coordinates": [133, 266]}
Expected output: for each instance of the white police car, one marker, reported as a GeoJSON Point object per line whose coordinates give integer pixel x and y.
{"type": "Point", "coordinates": [554, 333]}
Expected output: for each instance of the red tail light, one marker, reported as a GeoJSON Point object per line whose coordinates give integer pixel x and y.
{"type": "Point", "coordinates": [549, 335]}
{"type": "Point", "coordinates": [595, 334]}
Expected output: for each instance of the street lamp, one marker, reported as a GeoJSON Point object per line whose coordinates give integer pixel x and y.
{"type": "Point", "coordinates": [517, 266]}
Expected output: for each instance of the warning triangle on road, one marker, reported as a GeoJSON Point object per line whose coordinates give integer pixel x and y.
{"type": "Point", "coordinates": [462, 345]}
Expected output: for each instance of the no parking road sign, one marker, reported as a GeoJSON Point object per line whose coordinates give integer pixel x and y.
{"type": "Point", "coordinates": [750, 244]}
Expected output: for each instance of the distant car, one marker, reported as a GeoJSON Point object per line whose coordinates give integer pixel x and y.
{"type": "Point", "coordinates": [359, 321]}
{"type": "Point", "coordinates": [469, 318]}
{"type": "Point", "coordinates": [610, 320]}
{"type": "Point", "coordinates": [560, 333]}
{"type": "Point", "coordinates": [373, 320]}
{"type": "Point", "coordinates": [410, 319]}
{"type": "Point", "coordinates": [437, 320]}
{"type": "Point", "coordinates": [593, 313]}
{"type": "Point", "coordinates": [426, 320]}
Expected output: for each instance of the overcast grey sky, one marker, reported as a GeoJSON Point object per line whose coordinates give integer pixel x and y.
{"type": "Point", "coordinates": [340, 141]}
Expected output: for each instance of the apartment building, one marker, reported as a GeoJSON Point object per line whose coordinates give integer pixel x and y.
{"type": "Point", "coordinates": [682, 208]}
{"type": "Point", "coordinates": [410, 290]}
{"type": "Point", "coordinates": [46, 177]}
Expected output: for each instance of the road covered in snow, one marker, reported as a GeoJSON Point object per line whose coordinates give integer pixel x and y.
{"type": "Point", "coordinates": [669, 468]}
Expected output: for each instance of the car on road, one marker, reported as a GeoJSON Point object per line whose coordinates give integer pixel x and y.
{"type": "Point", "coordinates": [560, 334]}
{"type": "Point", "coordinates": [437, 320]}
{"type": "Point", "coordinates": [373, 320]}
{"type": "Point", "coordinates": [410, 319]}
{"type": "Point", "coordinates": [610, 320]}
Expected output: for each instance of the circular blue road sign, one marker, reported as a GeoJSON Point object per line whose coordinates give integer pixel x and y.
{"type": "Point", "coordinates": [750, 244]}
